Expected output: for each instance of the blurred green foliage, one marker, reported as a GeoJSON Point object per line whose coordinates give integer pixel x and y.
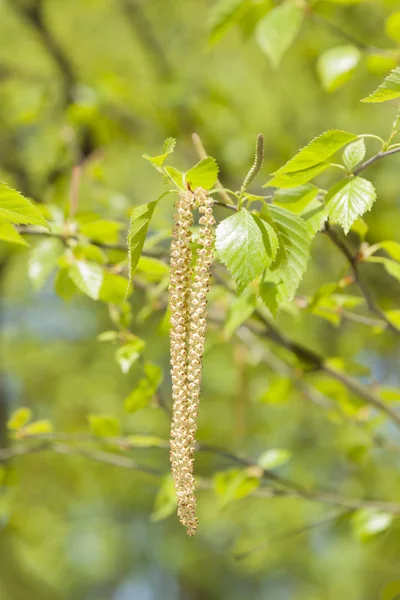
{"type": "Point", "coordinates": [97, 83]}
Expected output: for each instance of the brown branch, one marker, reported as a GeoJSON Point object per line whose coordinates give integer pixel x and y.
{"type": "Point", "coordinates": [375, 159]}
{"type": "Point", "coordinates": [354, 264]}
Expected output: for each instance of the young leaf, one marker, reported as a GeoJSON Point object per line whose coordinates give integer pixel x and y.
{"type": "Point", "coordinates": [392, 267]}
{"type": "Point", "coordinates": [14, 208]}
{"type": "Point", "coordinates": [317, 151]}
{"type": "Point", "coordinates": [158, 161]}
{"type": "Point", "coordinates": [297, 178]}
{"type": "Point", "coordinates": [143, 393]}
{"type": "Point", "coordinates": [139, 225]}
{"type": "Point", "coordinates": [88, 277]}
{"type": "Point", "coordinates": [19, 418]}
{"type": "Point", "coordinates": [336, 66]}
{"type": "Point", "coordinates": [246, 245]}
{"type": "Point", "coordinates": [240, 310]}
{"type": "Point", "coordinates": [281, 281]}
{"type": "Point", "coordinates": [224, 14]}
{"type": "Point", "coordinates": [204, 174]}
{"type": "Point", "coordinates": [36, 428]}
{"type": "Point", "coordinates": [10, 235]}
{"type": "Point", "coordinates": [273, 458]}
{"type": "Point", "coordinates": [43, 261]}
{"type": "Point", "coordinates": [128, 354]}
{"type": "Point", "coordinates": [278, 29]}
{"type": "Point", "coordinates": [353, 154]}
{"type": "Point", "coordinates": [388, 90]}
{"type": "Point", "coordinates": [368, 522]}
{"type": "Point", "coordinates": [104, 425]}
{"type": "Point", "coordinates": [349, 199]}
{"type": "Point", "coordinates": [234, 484]}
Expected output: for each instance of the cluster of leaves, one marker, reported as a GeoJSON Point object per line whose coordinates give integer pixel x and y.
{"type": "Point", "coordinates": [276, 27]}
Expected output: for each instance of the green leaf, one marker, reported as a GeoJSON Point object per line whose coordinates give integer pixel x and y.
{"type": "Point", "coordinates": [113, 288]}
{"type": "Point", "coordinates": [152, 269]}
{"type": "Point", "coordinates": [317, 151]}
{"type": "Point", "coordinates": [128, 354]}
{"type": "Point", "coordinates": [349, 199]}
{"type": "Point", "coordinates": [277, 31]}
{"type": "Point", "coordinates": [104, 425]}
{"type": "Point", "coordinates": [297, 178]}
{"type": "Point", "coordinates": [241, 309]}
{"type": "Point", "coordinates": [139, 225]}
{"type": "Point", "coordinates": [388, 90]}
{"type": "Point", "coordinates": [88, 278]}
{"type": "Point", "coordinates": [102, 230]}
{"type": "Point", "coordinates": [314, 216]}
{"type": "Point", "coordinates": [204, 174]}
{"type": "Point", "coordinates": [36, 428]}
{"type": "Point", "coordinates": [391, 247]}
{"type": "Point", "coordinates": [234, 484]}
{"type": "Point", "coordinates": [392, 26]}
{"type": "Point", "coordinates": [336, 66]}
{"type": "Point", "coordinates": [146, 441]}
{"type": "Point", "coordinates": [14, 208]}
{"type": "Point", "coordinates": [10, 235]}
{"type": "Point", "coordinates": [224, 14]}
{"type": "Point", "coordinates": [143, 393]}
{"type": "Point", "coordinates": [353, 154]}
{"type": "Point", "coordinates": [168, 148]}
{"type": "Point", "coordinates": [63, 285]}
{"type": "Point", "coordinates": [281, 281]}
{"type": "Point", "coordinates": [276, 457]}
{"type": "Point", "coordinates": [165, 501]}
{"type": "Point", "coordinates": [296, 199]}
{"type": "Point", "coordinates": [392, 267]}
{"type": "Point", "coordinates": [43, 260]}
{"type": "Point", "coordinates": [19, 418]}
{"type": "Point", "coordinates": [246, 245]}
{"type": "Point", "coordinates": [368, 522]}
{"type": "Point", "coordinates": [176, 176]}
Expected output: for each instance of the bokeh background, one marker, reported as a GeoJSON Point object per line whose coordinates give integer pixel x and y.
{"type": "Point", "coordinates": [104, 81]}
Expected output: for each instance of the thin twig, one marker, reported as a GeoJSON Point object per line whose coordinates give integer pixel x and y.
{"type": "Point", "coordinates": [354, 264]}
{"type": "Point", "coordinates": [202, 154]}
{"type": "Point", "coordinates": [375, 159]}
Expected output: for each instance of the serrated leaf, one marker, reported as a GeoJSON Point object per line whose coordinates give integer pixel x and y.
{"type": "Point", "coordinates": [224, 14]}
{"type": "Point", "coordinates": [297, 178]}
{"type": "Point", "coordinates": [139, 225]}
{"type": "Point", "coordinates": [128, 354]}
{"type": "Point", "coordinates": [158, 161]}
{"type": "Point", "coordinates": [43, 260]}
{"type": "Point", "coordinates": [349, 199]}
{"type": "Point", "coordinates": [273, 458]}
{"type": "Point", "coordinates": [204, 174]}
{"type": "Point", "coordinates": [104, 425]}
{"type": "Point", "coordinates": [388, 90]}
{"type": "Point", "coordinates": [317, 151]}
{"type": "Point", "coordinates": [336, 66]}
{"type": "Point", "coordinates": [353, 154]}
{"type": "Point", "coordinates": [296, 199]}
{"type": "Point", "coordinates": [19, 418]}
{"type": "Point", "coordinates": [368, 522]}
{"type": "Point", "coordinates": [14, 208]}
{"type": "Point", "coordinates": [277, 31]}
{"type": "Point", "coordinates": [281, 281]}
{"type": "Point", "coordinates": [10, 235]}
{"type": "Point", "coordinates": [88, 277]}
{"type": "Point", "coordinates": [246, 245]}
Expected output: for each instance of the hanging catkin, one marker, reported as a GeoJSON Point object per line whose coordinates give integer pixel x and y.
{"type": "Point", "coordinates": [188, 328]}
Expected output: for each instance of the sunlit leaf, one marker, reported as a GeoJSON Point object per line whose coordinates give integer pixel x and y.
{"type": "Point", "coordinates": [88, 277]}
{"type": "Point", "coordinates": [246, 245]}
{"type": "Point", "coordinates": [10, 235]}
{"type": "Point", "coordinates": [349, 199]}
{"type": "Point", "coordinates": [278, 29]}
{"type": "Point", "coordinates": [388, 90]}
{"type": "Point", "coordinates": [128, 354]}
{"type": "Point", "coordinates": [273, 458]}
{"type": "Point", "coordinates": [204, 174]}
{"type": "Point", "coordinates": [14, 208]}
{"type": "Point", "coordinates": [353, 154]}
{"type": "Point", "coordinates": [104, 425]}
{"type": "Point", "coordinates": [234, 484]}
{"type": "Point", "coordinates": [42, 261]}
{"type": "Point", "coordinates": [368, 522]}
{"type": "Point", "coordinates": [19, 418]}
{"type": "Point", "coordinates": [392, 26]}
{"type": "Point", "coordinates": [224, 14]}
{"type": "Point", "coordinates": [144, 391]}
{"type": "Point", "coordinates": [336, 66]}
{"type": "Point", "coordinates": [139, 225]}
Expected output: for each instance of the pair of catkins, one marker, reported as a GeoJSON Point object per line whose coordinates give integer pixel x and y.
{"type": "Point", "coordinates": [188, 300]}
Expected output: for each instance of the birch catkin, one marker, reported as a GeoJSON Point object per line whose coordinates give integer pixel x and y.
{"type": "Point", "coordinates": [187, 334]}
